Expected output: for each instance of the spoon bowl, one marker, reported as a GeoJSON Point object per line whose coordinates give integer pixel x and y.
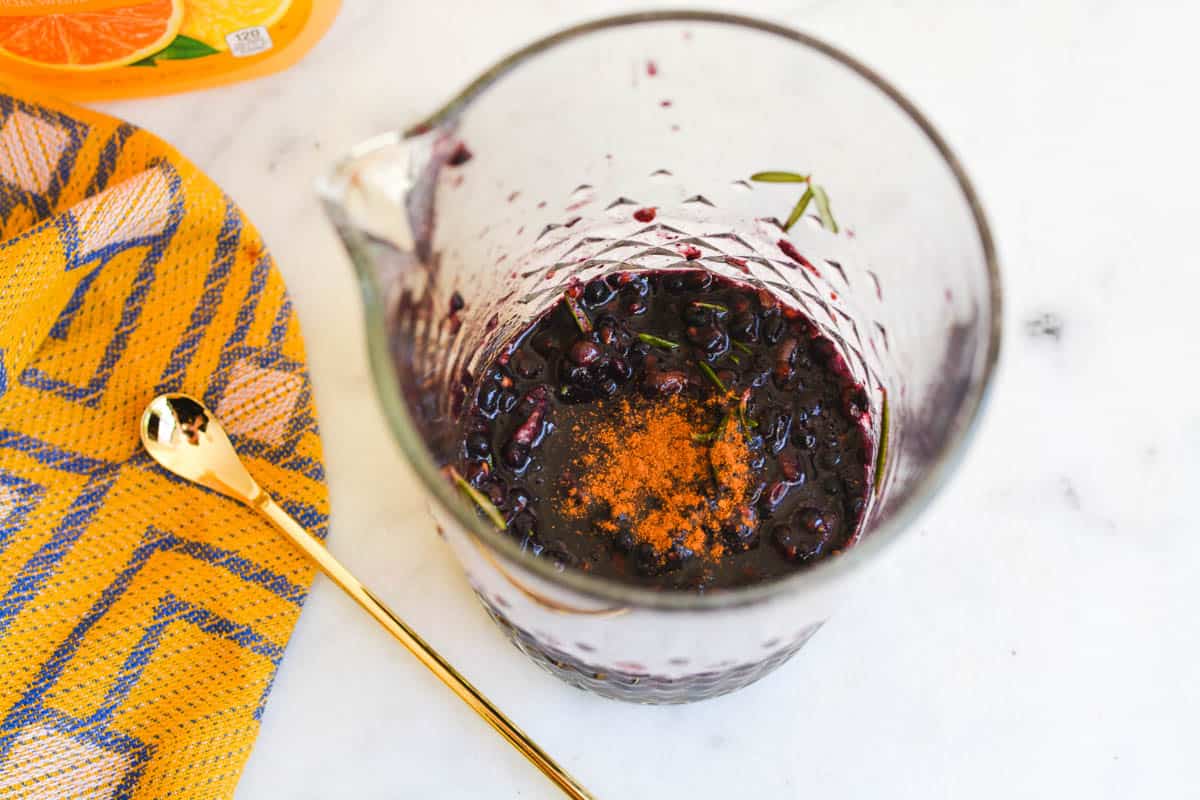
{"type": "Point", "coordinates": [181, 435]}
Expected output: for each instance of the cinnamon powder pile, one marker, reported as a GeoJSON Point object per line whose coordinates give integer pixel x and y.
{"type": "Point", "coordinates": [642, 473]}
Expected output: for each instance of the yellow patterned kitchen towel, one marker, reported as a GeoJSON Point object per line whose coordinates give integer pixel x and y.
{"type": "Point", "coordinates": [142, 619]}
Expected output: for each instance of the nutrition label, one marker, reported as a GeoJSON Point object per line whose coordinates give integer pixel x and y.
{"type": "Point", "coordinates": [249, 41]}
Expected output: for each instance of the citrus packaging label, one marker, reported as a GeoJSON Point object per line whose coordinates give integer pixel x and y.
{"type": "Point", "coordinates": [249, 41]}
{"type": "Point", "coordinates": [105, 49]}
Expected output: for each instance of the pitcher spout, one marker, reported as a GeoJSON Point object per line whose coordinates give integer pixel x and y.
{"type": "Point", "coordinates": [380, 200]}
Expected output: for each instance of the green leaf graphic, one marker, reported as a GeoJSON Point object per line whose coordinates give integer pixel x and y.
{"type": "Point", "coordinates": [180, 48]}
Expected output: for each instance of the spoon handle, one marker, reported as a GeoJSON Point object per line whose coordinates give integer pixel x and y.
{"type": "Point", "coordinates": [315, 550]}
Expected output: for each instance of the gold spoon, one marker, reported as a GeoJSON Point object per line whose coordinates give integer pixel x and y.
{"type": "Point", "coordinates": [184, 436]}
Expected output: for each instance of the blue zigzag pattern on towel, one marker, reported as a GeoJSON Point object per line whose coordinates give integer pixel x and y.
{"type": "Point", "coordinates": [91, 393]}
{"type": "Point", "coordinates": [94, 728]}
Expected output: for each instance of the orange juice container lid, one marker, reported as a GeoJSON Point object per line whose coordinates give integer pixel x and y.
{"type": "Point", "coordinates": [110, 49]}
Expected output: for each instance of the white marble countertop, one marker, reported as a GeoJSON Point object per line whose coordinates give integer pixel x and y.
{"type": "Point", "coordinates": [1037, 634]}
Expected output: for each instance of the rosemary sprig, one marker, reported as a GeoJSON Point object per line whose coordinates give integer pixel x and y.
{"type": "Point", "coordinates": [733, 357]}
{"type": "Point", "coordinates": [882, 450]}
{"type": "Point", "coordinates": [822, 201]}
{"type": "Point", "coordinates": [479, 498]}
{"type": "Point", "coordinates": [712, 376]}
{"type": "Point", "coordinates": [657, 341]}
{"type": "Point", "coordinates": [581, 319]}
{"type": "Point", "coordinates": [798, 209]}
{"type": "Point", "coordinates": [716, 433]}
{"type": "Point", "coordinates": [713, 456]}
{"type": "Point", "coordinates": [713, 306]}
{"type": "Point", "coordinates": [745, 348]}
{"type": "Point", "coordinates": [812, 194]}
{"type": "Point", "coordinates": [778, 176]}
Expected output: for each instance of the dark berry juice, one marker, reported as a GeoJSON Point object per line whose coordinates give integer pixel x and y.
{"type": "Point", "coordinates": [670, 429]}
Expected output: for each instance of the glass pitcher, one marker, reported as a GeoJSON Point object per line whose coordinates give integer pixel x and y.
{"type": "Point", "coordinates": [467, 225]}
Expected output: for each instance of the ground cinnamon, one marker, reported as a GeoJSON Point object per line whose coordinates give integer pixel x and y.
{"type": "Point", "coordinates": [663, 473]}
